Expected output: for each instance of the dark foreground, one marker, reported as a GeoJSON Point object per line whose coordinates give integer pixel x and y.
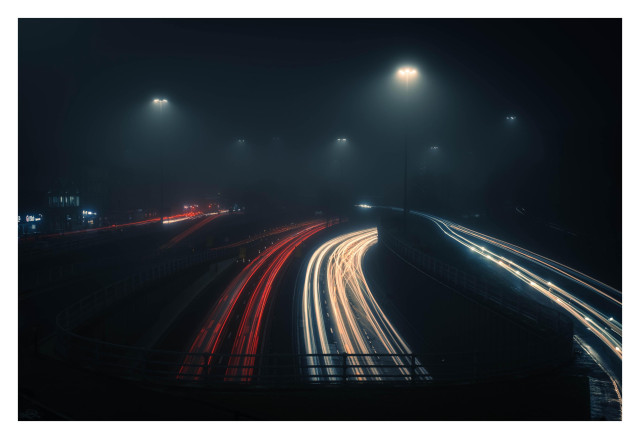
{"type": "Point", "coordinates": [51, 390]}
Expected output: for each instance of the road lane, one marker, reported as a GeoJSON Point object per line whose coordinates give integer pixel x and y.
{"type": "Point", "coordinates": [340, 315]}
{"type": "Point", "coordinates": [575, 296]}
{"type": "Point", "coordinates": [245, 299]}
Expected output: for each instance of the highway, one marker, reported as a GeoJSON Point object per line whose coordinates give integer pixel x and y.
{"type": "Point", "coordinates": [340, 315]}
{"type": "Point", "coordinates": [594, 306]}
{"type": "Point", "coordinates": [208, 217]}
{"type": "Point", "coordinates": [244, 301]}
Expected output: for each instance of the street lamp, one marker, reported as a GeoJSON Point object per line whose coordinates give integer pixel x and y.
{"type": "Point", "coordinates": [161, 103]}
{"type": "Point", "coordinates": [341, 142]}
{"type": "Point", "coordinates": [406, 73]}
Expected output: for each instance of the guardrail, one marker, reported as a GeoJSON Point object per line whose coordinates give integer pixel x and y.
{"type": "Point", "coordinates": [204, 369]}
{"type": "Point", "coordinates": [531, 312]}
{"type": "Point", "coordinates": [96, 303]}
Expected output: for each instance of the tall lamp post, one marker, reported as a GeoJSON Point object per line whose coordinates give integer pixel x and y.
{"type": "Point", "coordinates": [161, 103]}
{"type": "Point", "coordinates": [342, 142]}
{"type": "Point", "coordinates": [406, 73]}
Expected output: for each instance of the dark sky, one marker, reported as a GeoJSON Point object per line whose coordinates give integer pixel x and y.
{"type": "Point", "coordinates": [291, 87]}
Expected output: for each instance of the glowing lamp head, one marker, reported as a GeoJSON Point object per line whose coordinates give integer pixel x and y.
{"type": "Point", "coordinates": [407, 72]}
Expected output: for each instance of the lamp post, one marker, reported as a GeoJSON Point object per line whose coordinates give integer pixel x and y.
{"type": "Point", "coordinates": [406, 73]}
{"type": "Point", "coordinates": [161, 102]}
{"type": "Point", "coordinates": [342, 142]}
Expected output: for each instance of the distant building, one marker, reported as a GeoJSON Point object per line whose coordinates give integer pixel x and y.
{"type": "Point", "coordinates": [63, 211]}
{"type": "Point", "coordinates": [29, 224]}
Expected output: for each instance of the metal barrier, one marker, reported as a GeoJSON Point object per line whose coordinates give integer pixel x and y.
{"type": "Point", "coordinates": [96, 303]}
{"type": "Point", "coordinates": [203, 369]}
{"type": "Point", "coordinates": [528, 311]}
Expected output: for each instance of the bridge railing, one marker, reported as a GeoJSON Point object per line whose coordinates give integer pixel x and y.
{"type": "Point", "coordinates": [205, 369]}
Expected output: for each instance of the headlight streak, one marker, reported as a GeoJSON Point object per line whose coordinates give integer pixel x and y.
{"type": "Point", "coordinates": [576, 307]}
{"type": "Point", "coordinates": [338, 305]}
{"type": "Point", "coordinates": [547, 263]}
{"type": "Point", "coordinates": [176, 239]}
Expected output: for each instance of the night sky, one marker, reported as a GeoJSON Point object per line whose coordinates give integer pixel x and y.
{"type": "Point", "coordinates": [291, 87]}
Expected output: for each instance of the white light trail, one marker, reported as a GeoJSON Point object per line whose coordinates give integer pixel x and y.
{"type": "Point", "coordinates": [357, 325]}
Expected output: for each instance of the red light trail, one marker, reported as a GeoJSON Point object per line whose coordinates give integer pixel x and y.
{"type": "Point", "coordinates": [246, 341]}
{"type": "Point", "coordinates": [117, 226]}
{"type": "Point", "coordinates": [263, 272]}
{"type": "Point", "coordinates": [272, 232]}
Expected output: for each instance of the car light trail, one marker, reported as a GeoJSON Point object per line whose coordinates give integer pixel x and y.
{"type": "Point", "coordinates": [176, 239]}
{"type": "Point", "coordinates": [607, 329]}
{"type": "Point", "coordinates": [341, 316]}
{"type": "Point", "coordinates": [247, 336]}
{"type": "Point", "coordinates": [263, 271]}
{"type": "Point", "coordinates": [180, 217]}
{"type": "Point", "coordinates": [573, 304]}
{"type": "Point", "coordinates": [610, 293]}
{"type": "Point", "coordinates": [265, 234]}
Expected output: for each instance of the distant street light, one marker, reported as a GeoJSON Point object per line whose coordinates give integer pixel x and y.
{"type": "Point", "coordinates": [406, 73]}
{"type": "Point", "coordinates": [161, 103]}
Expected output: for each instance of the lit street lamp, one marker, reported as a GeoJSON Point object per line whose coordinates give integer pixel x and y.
{"type": "Point", "coordinates": [406, 73]}
{"type": "Point", "coordinates": [163, 154]}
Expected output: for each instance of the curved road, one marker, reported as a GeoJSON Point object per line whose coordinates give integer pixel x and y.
{"type": "Point", "coordinates": [594, 306]}
{"type": "Point", "coordinates": [340, 315]}
{"type": "Point", "coordinates": [243, 301]}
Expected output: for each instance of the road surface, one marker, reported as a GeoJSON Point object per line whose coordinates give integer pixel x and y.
{"type": "Point", "coordinates": [594, 306]}
{"type": "Point", "coordinates": [240, 313]}
{"type": "Point", "coordinates": [340, 315]}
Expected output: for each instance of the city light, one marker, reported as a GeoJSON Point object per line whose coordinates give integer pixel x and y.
{"type": "Point", "coordinates": [32, 218]}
